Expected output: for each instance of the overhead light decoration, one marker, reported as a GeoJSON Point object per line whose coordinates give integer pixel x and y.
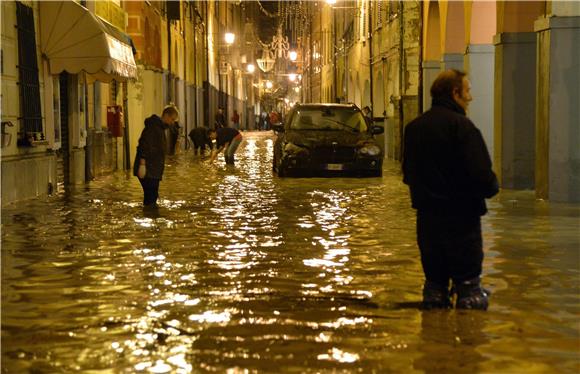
{"type": "Point", "coordinates": [278, 48]}
{"type": "Point", "coordinates": [266, 63]}
{"type": "Point", "coordinates": [230, 38]}
{"type": "Point", "coordinates": [293, 55]}
{"type": "Point", "coordinates": [250, 68]}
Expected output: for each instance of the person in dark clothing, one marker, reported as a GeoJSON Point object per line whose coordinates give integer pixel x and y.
{"type": "Point", "coordinates": [150, 158]}
{"type": "Point", "coordinates": [173, 136]}
{"type": "Point", "coordinates": [220, 119]}
{"type": "Point", "coordinates": [236, 120]}
{"type": "Point", "coordinates": [448, 169]}
{"type": "Point", "coordinates": [227, 139]}
{"type": "Point", "coordinates": [200, 138]}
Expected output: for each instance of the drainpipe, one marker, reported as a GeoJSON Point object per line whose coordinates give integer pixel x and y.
{"type": "Point", "coordinates": [371, 58]}
{"type": "Point", "coordinates": [194, 22]}
{"type": "Point", "coordinates": [420, 72]}
{"type": "Point", "coordinates": [126, 125]}
{"type": "Point", "coordinates": [401, 72]}
{"type": "Point", "coordinates": [334, 60]}
{"type": "Point", "coordinates": [185, 126]}
{"type": "Point", "coordinates": [311, 61]}
{"type": "Point", "coordinates": [89, 141]}
{"type": "Point", "coordinates": [206, 88]}
{"type": "Point", "coordinates": [169, 95]}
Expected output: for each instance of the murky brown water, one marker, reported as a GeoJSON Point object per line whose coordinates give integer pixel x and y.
{"type": "Point", "coordinates": [245, 271]}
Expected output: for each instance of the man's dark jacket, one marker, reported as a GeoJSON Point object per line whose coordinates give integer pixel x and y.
{"type": "Point", "coordinates": [446, 163]}
{"type": "Point", "coordinates": [200, 137]}
{"type": "Point", "coordinates": [152, 147]}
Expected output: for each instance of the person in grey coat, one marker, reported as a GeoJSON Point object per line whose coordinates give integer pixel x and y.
{"type": "Point", "coordinates": [150, 158]}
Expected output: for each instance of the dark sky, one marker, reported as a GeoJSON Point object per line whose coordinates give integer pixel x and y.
{"type": "Point", "coordinates": [266, 25]}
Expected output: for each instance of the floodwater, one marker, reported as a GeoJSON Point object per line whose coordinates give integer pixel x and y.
{"type": "Point", "coordinates": [241, 271]}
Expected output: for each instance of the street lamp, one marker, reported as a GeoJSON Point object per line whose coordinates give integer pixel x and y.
{"type": "Point", "coordinates": [230, 38]}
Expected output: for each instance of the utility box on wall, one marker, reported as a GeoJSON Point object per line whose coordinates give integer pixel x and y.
{"type": "Point", "coordinates": [115, 120]}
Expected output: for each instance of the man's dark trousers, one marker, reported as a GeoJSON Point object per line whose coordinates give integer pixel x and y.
{"type": "Point", "coordinates": [451, 247]}
{"type": "Point", "coordinates": [150, 191]}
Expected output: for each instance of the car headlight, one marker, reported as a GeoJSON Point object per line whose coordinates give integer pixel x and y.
{"type": "Point", "coordinates": [293, 149]}
{"type": "Point", "coordinates": [370, 150]}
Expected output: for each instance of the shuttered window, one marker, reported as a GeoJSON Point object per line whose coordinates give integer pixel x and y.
{"type": "Point", "coordinates": [379, 10]}
{"type": "Point", "coordinates": [30, 111]}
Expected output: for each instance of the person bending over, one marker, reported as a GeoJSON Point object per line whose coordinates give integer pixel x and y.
{"type": "Point", "coordinates": [200, 138]}
{"type": "Point", "coordinates": [227, 139]}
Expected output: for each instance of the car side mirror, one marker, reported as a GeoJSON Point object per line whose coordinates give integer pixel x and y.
{"type": "Point", "coordinates": [278, 127]}
{"type": "Point", "coordinates": [376, 130]}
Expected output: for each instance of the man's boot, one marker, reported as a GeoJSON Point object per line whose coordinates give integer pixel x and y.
{"type": "Point", "coordinates": [435, 296]}
{"type": "Point", "coordinates": [470, 295]}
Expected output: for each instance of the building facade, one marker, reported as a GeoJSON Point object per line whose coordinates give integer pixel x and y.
{"type": "Point", "coordinates": [68, 118]}
{"type": "Point", "coordinates": [519, 57]}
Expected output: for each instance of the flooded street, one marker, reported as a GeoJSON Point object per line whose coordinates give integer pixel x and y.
{"type": "Point", "coordinates": [241, 270]}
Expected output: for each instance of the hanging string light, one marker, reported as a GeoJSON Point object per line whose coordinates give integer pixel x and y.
{"type": "Point", "coordinates": [265, 11]}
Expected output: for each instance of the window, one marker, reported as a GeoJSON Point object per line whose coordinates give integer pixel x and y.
{"type": "Point", "coordinates": [30, 111]}
{"type": "Point", "coordinates": [379, 14]}
{"type": "Point", "coordinates": [329, 119]}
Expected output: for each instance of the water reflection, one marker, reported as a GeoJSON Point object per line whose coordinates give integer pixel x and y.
{"type": "Point", "coordinates": [241, 271]}
{"type": "Point", "coordinates": [454, 336]}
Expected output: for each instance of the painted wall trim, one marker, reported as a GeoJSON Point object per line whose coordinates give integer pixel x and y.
{"type": "Point", "coordinates": [514, 38]}
{"type": "Point", "coordinates": [546, 23]}
{"type": "Point", "coordinates": [480, 48]}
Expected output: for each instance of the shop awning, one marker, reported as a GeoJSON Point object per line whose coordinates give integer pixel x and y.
{"type": "Point", "coordinates": [75, 40]}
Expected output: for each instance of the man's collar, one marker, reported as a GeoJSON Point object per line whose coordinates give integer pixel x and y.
{"type": "Point", "coordinates": [448, 103]}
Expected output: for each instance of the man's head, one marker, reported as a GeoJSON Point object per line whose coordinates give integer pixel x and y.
{"type": "Point", "coordinates": [212, 134]}
{"type": "Point", "coordinates": [170, 115]}
{"type": "Point", "coordinates": [452, 84]}
{"type": "Point", "coordinates": [366, 110]}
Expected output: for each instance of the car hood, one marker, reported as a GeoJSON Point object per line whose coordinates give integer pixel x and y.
{"type": "Point", "coordinates": [313, 139]}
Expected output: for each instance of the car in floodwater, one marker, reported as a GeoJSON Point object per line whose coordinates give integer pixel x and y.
{"type": "Point", "coordinates": [327, 140]}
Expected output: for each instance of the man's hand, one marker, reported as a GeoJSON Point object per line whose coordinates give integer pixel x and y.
{"type": "Point", "coordinates": [142, 171]}
{"type": "Point", "coordinates": [214, 154]}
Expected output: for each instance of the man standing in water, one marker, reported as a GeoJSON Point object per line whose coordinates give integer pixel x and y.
{"type": "Point", "coordinates": [448, 169]}
{"type": "Point", "coordinates": [226, 138]}
{"type": "Point", "coordinates": [150, 159]}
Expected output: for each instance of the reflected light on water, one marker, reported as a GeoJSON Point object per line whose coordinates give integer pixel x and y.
{"type": "Point", "coordinates": [211, 316]}
{"type": "Point", "coordinates": [242, 271]}
{"type": "Point", "coordinates": [336, 354]}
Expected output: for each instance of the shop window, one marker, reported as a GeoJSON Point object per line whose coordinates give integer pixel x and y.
{"type": "Point", "coordinates": [30, 110]}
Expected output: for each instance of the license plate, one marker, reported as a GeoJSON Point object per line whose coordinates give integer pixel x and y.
{"type": "Point", "coordinates": [334, 166]}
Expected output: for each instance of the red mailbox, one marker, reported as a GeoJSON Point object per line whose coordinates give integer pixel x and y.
{"type": "Point", "coordinates": [115, 120]}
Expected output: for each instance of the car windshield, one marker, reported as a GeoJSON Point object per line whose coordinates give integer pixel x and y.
{"type": "Point", "coordinates": [329, 119]}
